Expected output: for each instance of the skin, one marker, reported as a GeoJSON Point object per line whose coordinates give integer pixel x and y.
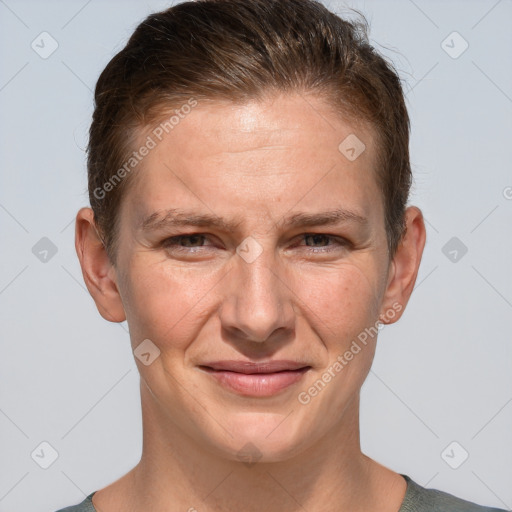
{"type": "Point", "coordinates": [303, 298]}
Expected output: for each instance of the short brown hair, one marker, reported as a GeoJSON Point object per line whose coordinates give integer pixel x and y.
{"type": "Point", "coordinates": [240, 51]}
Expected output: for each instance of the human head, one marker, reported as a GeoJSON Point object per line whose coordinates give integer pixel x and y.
{"type": "Point", "coordinates": [255, 160]}
{"type": "Point", "coordinates": [238, 51]}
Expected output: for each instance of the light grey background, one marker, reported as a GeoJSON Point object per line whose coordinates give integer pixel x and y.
{"type": "Point", "coordinates": [442, 374]}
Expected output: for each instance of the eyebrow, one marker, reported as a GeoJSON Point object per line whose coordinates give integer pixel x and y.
{"type": "Point", "coordinates": [179, 218]}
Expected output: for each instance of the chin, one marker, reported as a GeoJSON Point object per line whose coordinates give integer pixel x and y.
{"type": "Point", "coordinates": [261, 437]}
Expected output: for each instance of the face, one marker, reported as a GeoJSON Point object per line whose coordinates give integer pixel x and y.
{"type": "Point", "coordinates": [249, 236]}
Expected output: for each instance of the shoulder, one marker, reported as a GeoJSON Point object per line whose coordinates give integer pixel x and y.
{"type": "Point", "coordinates": [420, 499]}
{"type": "Point", "coordinates": [84, 506]}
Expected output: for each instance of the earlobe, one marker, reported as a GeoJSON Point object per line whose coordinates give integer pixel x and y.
{"type": "Point", "coordinates": [97, 269]}
{"type": "Point", "coordinates": [404, 267]}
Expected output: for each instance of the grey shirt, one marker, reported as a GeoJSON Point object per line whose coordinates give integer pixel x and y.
{"type": "Point", "coordinates": [416, 499]}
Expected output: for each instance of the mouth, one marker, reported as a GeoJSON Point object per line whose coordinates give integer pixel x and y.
{"type": "Point", "coordinates": [256, 379]}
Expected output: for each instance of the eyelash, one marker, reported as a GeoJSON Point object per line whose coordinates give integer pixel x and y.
{"type": "Point", "coordinates": [173, 242]}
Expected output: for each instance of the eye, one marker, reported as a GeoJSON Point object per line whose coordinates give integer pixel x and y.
{"type": "Point", "coordinates": [198, 242]}
{"type": "Point", "coordinates": [185, 242]}
{"type": "Point", "coordinates": [320, 242]}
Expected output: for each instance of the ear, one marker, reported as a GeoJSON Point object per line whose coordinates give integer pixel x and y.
{"type": "Point", "coordinates": [99, 273]}
{"type": "Point", "coordinates": [404, 267]}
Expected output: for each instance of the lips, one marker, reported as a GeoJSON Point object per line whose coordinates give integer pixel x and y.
{"type": "Point", "coordinates": [256, 379]}
{"type": "Point", "coordinates": [248, 367]}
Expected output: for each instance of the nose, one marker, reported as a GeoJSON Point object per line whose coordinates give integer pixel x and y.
{"type": "Point", "coordinates": [257, 301]}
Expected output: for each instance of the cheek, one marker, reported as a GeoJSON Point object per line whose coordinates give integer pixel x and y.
{"type": "Point", "coordinates": [342, 301]}
{"type": "Point", "coordinates": [164, 304]}
{"type": "Point", "coordinates": [170, 304]}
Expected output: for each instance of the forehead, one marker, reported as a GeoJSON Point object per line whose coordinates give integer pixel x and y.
{"type": "Point", "coordinates": [261, 157]}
